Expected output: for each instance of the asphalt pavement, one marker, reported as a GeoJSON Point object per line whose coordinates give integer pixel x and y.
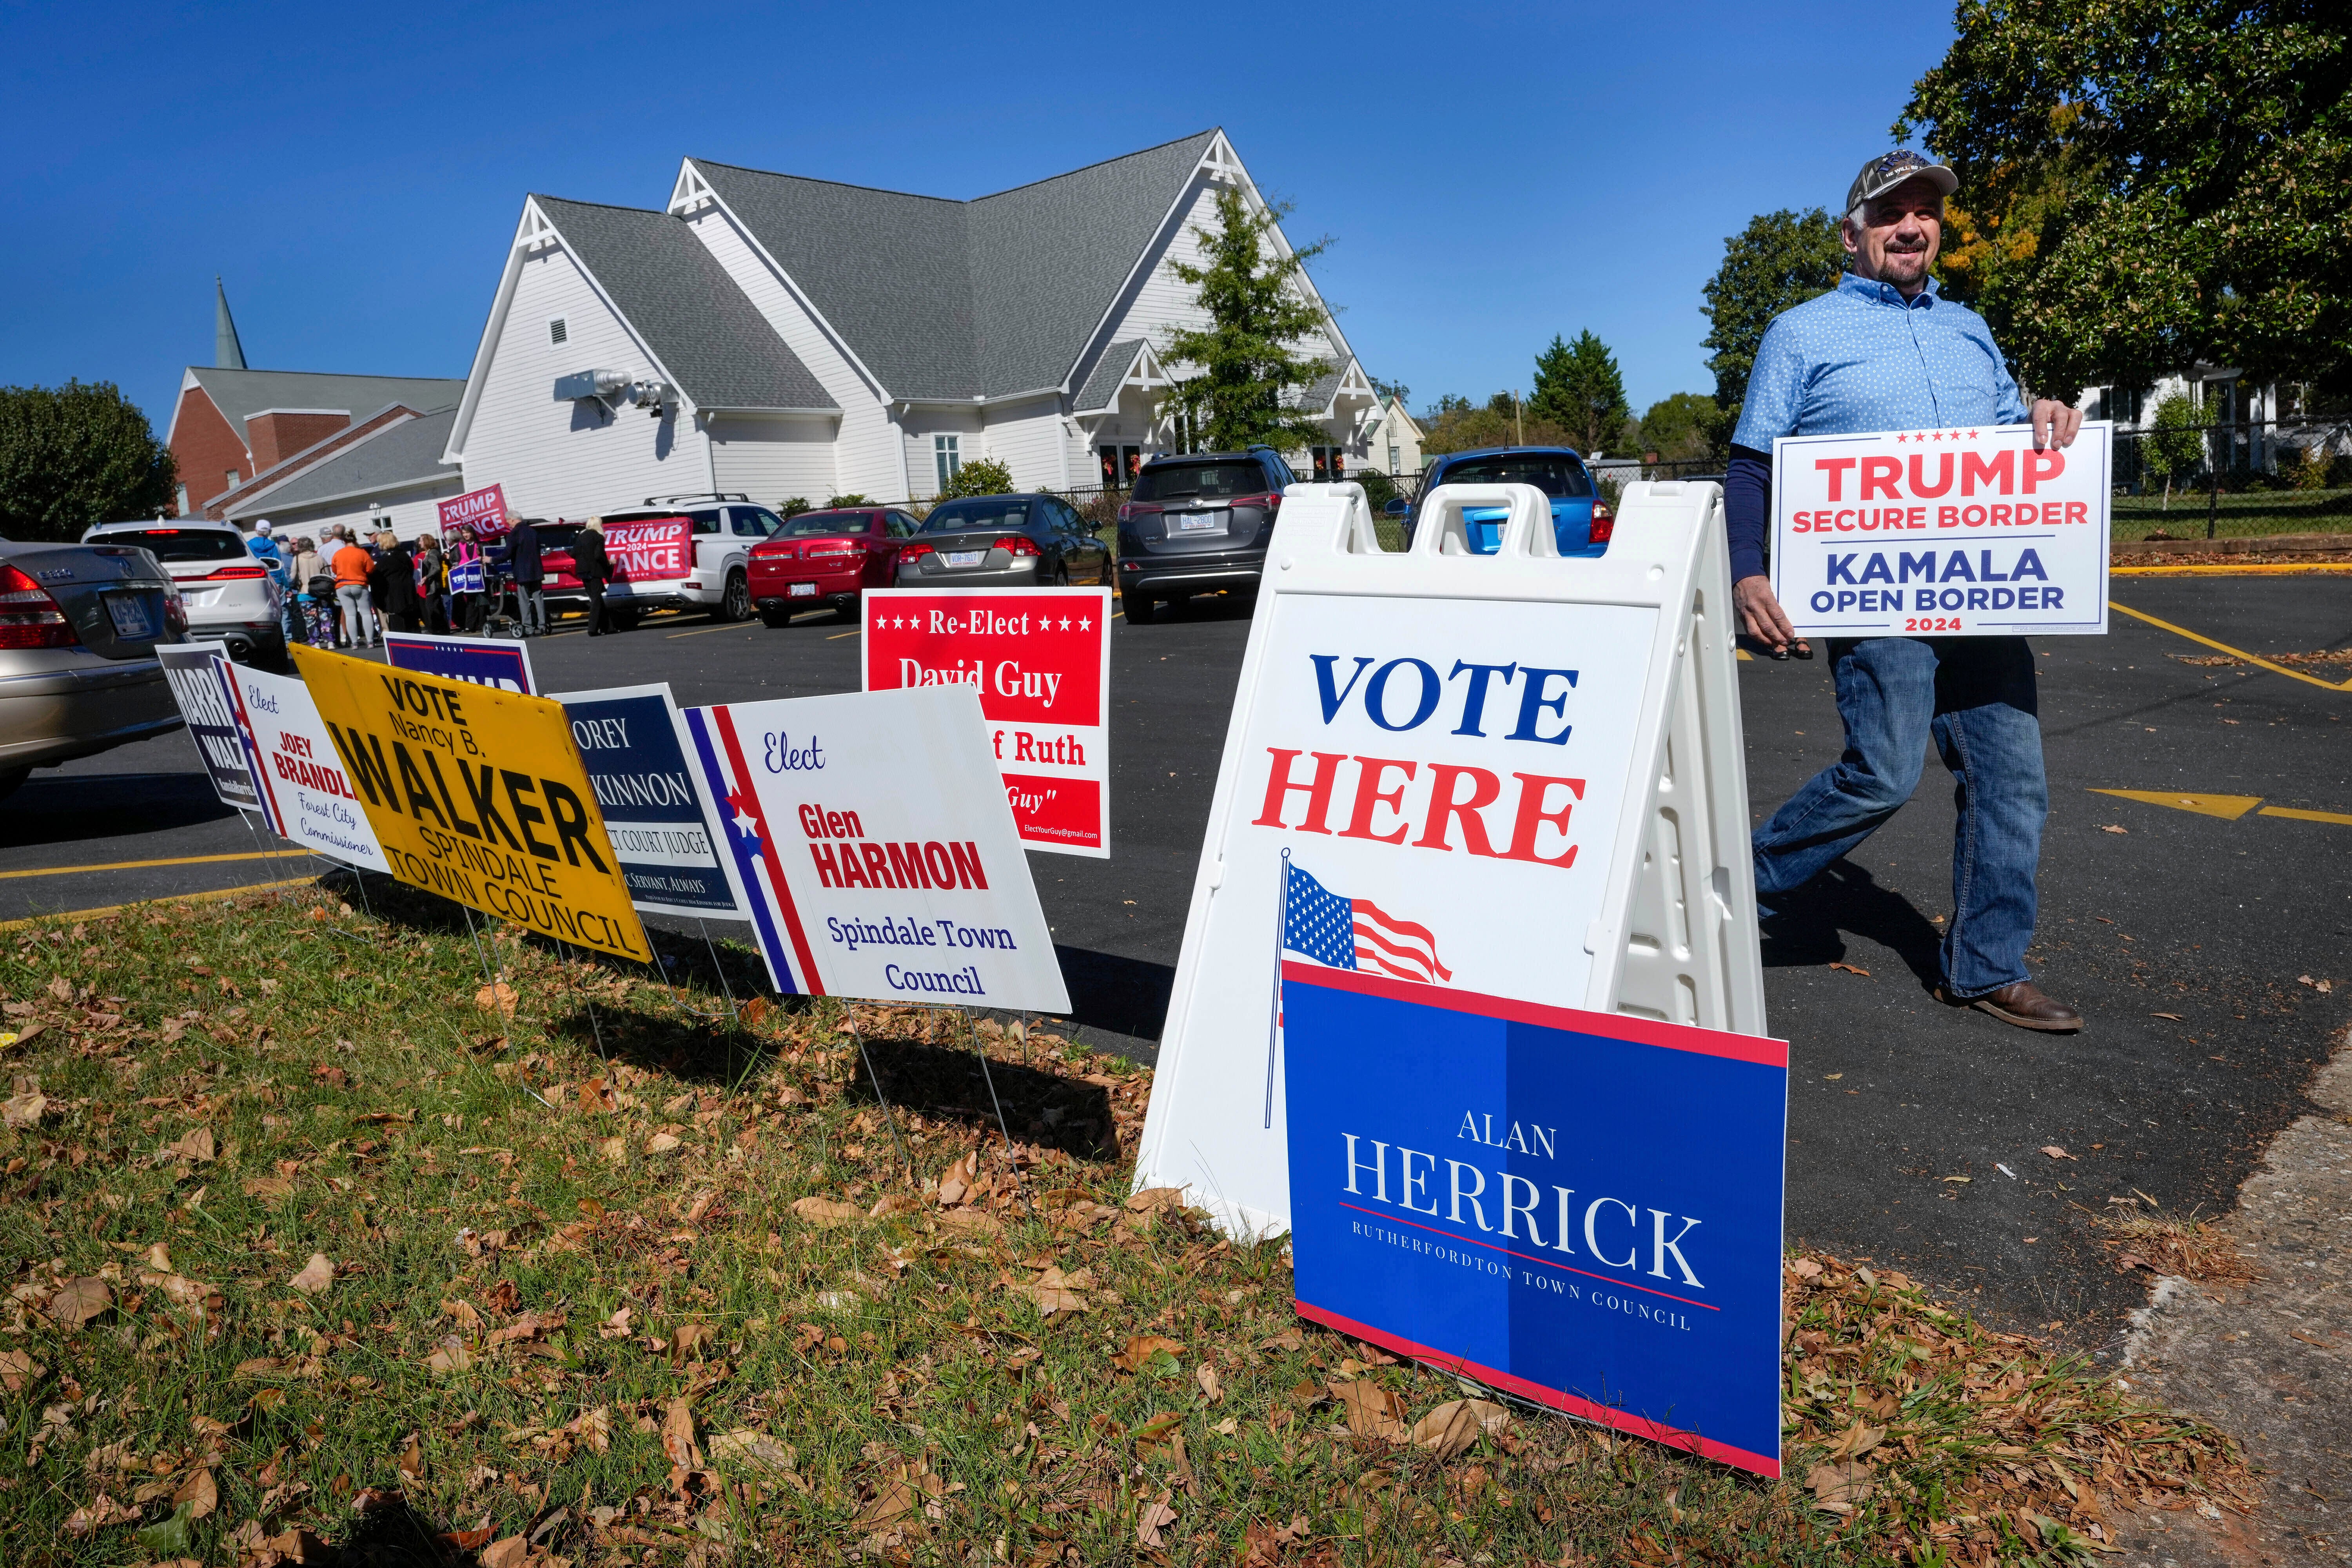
{"type": "Point", "coordinates": [2195, 939]}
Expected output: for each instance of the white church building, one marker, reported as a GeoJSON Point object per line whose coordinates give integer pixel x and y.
{"type": "Point", "coordinates": [786, 337]}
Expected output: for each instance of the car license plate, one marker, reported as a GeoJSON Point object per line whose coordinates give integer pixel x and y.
{"type": "Point", "coordinates": [964, 557]}
{"type": "Point", "coordinates": [801, 591]}
{"type": "Point", "coordinates": [1202, 522]}
{"type": "Point", "coordinates": [129, 613]}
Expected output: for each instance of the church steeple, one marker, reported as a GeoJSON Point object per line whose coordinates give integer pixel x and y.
{"type": "Point", "coordinates": [227, 353]}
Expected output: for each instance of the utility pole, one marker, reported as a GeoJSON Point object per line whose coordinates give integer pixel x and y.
{"type": "Point", "coordinates": [1518, 428]}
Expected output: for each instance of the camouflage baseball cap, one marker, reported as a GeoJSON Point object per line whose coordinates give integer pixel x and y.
{"type": "Point", "coordinates": [1882, 175]}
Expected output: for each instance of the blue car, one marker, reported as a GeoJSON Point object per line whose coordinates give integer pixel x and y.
{"type": "Point", "coordinates": [1582, 522]}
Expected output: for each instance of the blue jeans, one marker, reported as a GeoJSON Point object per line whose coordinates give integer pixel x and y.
{"type": "Point", "coordinates": [1975, 696]}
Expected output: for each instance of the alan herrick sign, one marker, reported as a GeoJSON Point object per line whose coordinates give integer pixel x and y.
{"type": "Point", "coordinates": [1571, 1205]}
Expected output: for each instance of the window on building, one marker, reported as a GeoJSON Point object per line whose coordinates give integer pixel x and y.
{"type": "Point", "coordinates": [947, 456]}
{"type": "Point", "coordinates": [1120, 465]}
{"type": "Point", "coordinates": [556, 332]}
{"type": "Point", "coordinates": [1396, 457]}
{"type": "Point", "coordinates": [231, 477]}
{"type": "Point", "coordinates": [181, 493]}
{"type": "Point", "coordinates": [1330, 462]}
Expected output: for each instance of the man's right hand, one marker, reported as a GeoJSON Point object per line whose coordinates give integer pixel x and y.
{"type": "Point", "coordinates": [1760, 615]}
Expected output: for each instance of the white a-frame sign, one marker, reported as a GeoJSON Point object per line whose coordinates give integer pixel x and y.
{"type": "Point", "coordinates": [1506, 774]}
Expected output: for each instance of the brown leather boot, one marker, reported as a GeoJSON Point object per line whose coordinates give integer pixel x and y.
{"type": "Point", "coordinates": [2022, 1003]}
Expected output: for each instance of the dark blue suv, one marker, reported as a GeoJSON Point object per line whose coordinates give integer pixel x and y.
{"type": "Point", "coordinates": [1582, 522]}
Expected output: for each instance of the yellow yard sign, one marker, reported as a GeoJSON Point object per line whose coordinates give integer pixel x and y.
{"type": "Point", "coordinates": [477, 794]}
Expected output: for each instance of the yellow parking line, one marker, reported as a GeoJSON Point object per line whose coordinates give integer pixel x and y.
{"type": "Point", "coordinates": [2306, 815]}
{"type": "Point", "coordinates": [838, 636]}
{"type": "Point", "coordinates": [725, 627]}
{"type": "Point", "coordinates": [2233, 652]}
{"type": "Point", "coordinates": [2276, 569]}
{"type": "Point", "coordinates": [140, 865]}
{"type": "Point", "coordinates": [167, 898]}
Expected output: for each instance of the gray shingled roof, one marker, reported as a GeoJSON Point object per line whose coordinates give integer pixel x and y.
{"type": "Point", "coordinates": [241, 393]}
{"type": "Point", "coordinates": [944, 299]}
{"type": "Point", "coordinates": [698, 320]}
{"type": "Point", "coordinates": [406, 453]}
{"type": "Point", "coordinates": [1109, 371]}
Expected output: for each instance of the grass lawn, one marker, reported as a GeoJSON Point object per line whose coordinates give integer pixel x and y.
{"type": "Point", "coordinates": [309, 1248]}
{"type": "Point", "coordinates": [2252, 512]}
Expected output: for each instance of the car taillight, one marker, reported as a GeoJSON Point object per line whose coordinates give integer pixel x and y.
{"type": "Point", "coordinates": [914, 552]}
{"type": "Point", "coordinates": [175, 610]}
{"type": "Point", "coordinates": [239, 573]}
{"type": "Point", "coordinates": [1604, 523]}
{"type": "Point", "coordinates": [28, 616]}
{"type": "Point", "coordinates": [1135, 508]}
{"type": "Point", "coordinates": [1017, 544]}
{"type": "Point", "coordinates": [1269, 502]}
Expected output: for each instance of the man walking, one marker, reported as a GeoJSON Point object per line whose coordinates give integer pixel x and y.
{"type": "Point", "coordinates": [1883, 351]}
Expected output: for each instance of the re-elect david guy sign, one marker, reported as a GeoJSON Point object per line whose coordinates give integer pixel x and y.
{"type": "Point", "coordinates": [1041, 664]}
{"type": "Point", "coordinates": [477, 794]}
{"type": "Point", "coordinates": [1456, 1196]}
{"type": "Point", "coordinates": [1970, 533]}
{"type": "Point", "coordinates": [634, 745]}
{"type": "Point", "coordinates": [876, 851]}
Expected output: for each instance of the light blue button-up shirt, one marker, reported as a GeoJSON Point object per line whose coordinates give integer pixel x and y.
{"type": "Point", "coordinates": [1862, 357]}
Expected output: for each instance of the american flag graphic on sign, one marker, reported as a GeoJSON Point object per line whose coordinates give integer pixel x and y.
{"type": "Point", "coordinates": [1355, 933]}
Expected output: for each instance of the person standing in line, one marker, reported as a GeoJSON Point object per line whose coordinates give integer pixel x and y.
{"type": "Point", "coordinates": [520, 559]}
{"type": "Point", "coordinates": [394, 584]}
{"type": "Point", "coordinates": [1884, 351]}
{"type": "Point", "coordinates": [265, 548]}
{"type": "Point", "coordinates": [594, 569]}
{"type": "Point", "coordinates": [432, 574]}
{"type": "Point", "coordinates": [352, 566]}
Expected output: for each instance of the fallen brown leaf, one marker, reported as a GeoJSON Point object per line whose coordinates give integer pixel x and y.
{"type": "Point", "coordinates": [499, 998]}
{"type": "Point", "coordinates": [316, 1277]}
{"type": "Point", "coordinates": [2055, 1153]}
{"type": "Point", "coordinates": [677, 1436]}
{"type": "Point", "coordinates": [827, 1211]}
{"type": "Point", "coordinates": [24, 1110]}
{"type": "Point", "coordinates": [1149, 1520]}
{"type": "Point", "coordinates": [1371, 1410]}
{"type": "Point", "coordinates": [1141, 1349]}
{"type": "Point", "coordinates": [1852, 969]}
{"type": "Point", "coordinates": [1453, 1427]}
{"type": "Point", "coordinates": [77, 1302]}
{"type": "Point", "coordinates": [194, 1147]}
{"type": "Point", "coordinates": [1840, 1488]}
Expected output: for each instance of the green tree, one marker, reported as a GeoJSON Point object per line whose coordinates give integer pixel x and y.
{"type": "Point", "coordinates": [855, 497]}
{"type": "Point", "coordinates": [794, 506]}
{"type": "Point", "coordinates": [1578, 387]}
{"type": "Point", "coordinates": [1247, 368]}
{"type": "Point", "coordinates": [2204, 150]}
{"type": "Point", "coordinates": [981, 476]}
{"type": "Point", "coordinates": [1780, 260]}
{"type": "Point", "coordinates": [1686, 428]}
{"type": "Point", "coordinates": [2174, 445]}
{"type": "Point", "coordinates": [75, 455]}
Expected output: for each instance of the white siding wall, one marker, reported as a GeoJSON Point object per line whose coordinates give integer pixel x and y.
{"type": "Point", "coordinates": [1027, 438]}
{"type": "Point", "coordinates": [567, 459]}
{"type": "Point", "coordinates": [920, 427]}
{"type": "Point", "coordinates": [865, 445]}
{"type": "Point", "coordinates": [774, 459]}
{"type": "Point", "coordinates": [1155, 300]}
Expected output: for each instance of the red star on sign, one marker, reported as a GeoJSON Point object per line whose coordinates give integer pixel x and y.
{"type": "Point", "coordinates": [1900, 440]}
{"type": "Point", "coordinates": [1972, 435]}
{"type": "Point", "coordinates": [1938, 436]}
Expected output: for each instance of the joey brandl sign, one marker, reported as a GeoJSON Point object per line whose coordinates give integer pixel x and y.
{"type": "Point", "coordinates": [1967, 532]}
{"type": "Point", "coordinates": [479, 795]}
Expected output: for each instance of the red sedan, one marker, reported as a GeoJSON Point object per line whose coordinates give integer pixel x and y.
{"type": "Point", "coordinates": [828, 558]}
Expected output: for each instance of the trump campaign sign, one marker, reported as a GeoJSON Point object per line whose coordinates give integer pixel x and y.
{"type": "Point", "coordinates": [1040, 662]}
{"type": "Point", "coordinates": [305, 794]}
{"type": "Point", "coordinates": [477, 514]}
{"type": "Point", "coordinates": [1624, 1268]}
{"type": "Point", "coordinates": [656, 550]}
{"type": "Point", "coordinates": [1973, 532]}
{"type": "Point", "coordinates": [876, 851]}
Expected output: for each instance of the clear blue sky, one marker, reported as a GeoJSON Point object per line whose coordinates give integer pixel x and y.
{"type": "Point", "coordinates": [1492, 177]}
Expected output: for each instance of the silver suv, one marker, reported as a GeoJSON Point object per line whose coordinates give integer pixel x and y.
{"type": "Point", "coordinates": [229, 594]}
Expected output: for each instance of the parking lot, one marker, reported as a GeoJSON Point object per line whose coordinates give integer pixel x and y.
{"type": "Point", "coordinates": [2203, 931]}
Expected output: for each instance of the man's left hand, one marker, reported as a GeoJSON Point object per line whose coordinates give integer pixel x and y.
{"type": "Point", "coordinates": [2055, 424]}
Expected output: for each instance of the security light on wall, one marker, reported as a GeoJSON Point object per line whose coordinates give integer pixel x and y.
{"type": "Point", "coordinates": [653, 396]}
{"type": "Point", "coordinates": [606, 387]}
